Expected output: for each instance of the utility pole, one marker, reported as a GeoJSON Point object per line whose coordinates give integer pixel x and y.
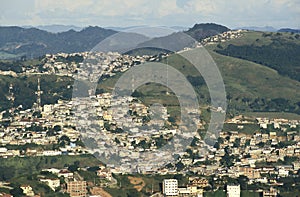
{"type": "Point", "coordinates": [39, 93]}
{"type": "Point", "coordinates": [11, 96]}
{"type": "Point", "coordinates": [167, 92]}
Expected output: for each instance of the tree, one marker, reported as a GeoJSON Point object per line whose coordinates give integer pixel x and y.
{"type": "Point", "coordinates": [16, 192]}
{"type": "Point", "coordinates": [179, 166]}
{"type": "Point", "coordinates": [73, 168]}
{"type": "Point", "coordinates": [6, 173]}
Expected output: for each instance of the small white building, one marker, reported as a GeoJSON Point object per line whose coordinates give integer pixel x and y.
{"type": "Point", "coordinates": [233, 190]}
{"type": "Point", "coordinates": [170, 187]}
{"type": "Point", "coordinates": [52, 183]}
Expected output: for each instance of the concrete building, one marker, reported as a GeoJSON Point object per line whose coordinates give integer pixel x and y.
{"type": "Point", "coordinates": [233, 191]}
{"type": "Point", "coordinates": [77, 188]}
{"type": "Point", "coordinates": [170, 187]}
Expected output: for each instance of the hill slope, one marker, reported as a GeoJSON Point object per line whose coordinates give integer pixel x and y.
{"type": "Point", "coordinates": [250, 86]}
{"type": "Point", "coordinates": [279, 51]}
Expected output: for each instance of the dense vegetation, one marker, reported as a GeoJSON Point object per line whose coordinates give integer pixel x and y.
{"type": "Point", "coordinates": [24, 87]}
{"type": "Point", "coordinates": [33, 42]}
{"type": "Point", "coordinates": [201, 31]}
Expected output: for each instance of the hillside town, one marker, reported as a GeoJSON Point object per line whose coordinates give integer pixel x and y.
{"type": "Point", "coordinates": [259, 155]}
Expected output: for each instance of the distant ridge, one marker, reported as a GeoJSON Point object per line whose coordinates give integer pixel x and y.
{"type": "Point", "coordinates": [289, 30]}
{"type": "Point", "coordinates": [254, 28]}
{"type": "Point", "coordinates": [59, 28]}
{"type": "Point", "coordinates": [33, 42]}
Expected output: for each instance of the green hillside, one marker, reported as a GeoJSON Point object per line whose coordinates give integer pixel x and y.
{"type": "Point", "coordinates": [250, 87]}
{"type": "Point", "coordinates": [279, 51]}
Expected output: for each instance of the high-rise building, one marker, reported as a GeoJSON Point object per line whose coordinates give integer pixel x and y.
{"type": "Point", "coordinates": [233, 190]}
{"type": "Point", "coordinates": [170, 187]}
{"type": "Point", "coordinates": [77, 188]}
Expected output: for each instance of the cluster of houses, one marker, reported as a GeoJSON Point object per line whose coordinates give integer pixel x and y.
{"type": "Point", "coordinates": [66, 64]}
{"type": "Point", "coordinates": [223, 37]}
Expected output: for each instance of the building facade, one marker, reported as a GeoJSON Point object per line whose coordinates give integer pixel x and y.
{"type": "Point", "coordinates": [170, 187]}
{"type": "Point", "coordinates": [233, 191]}
{"type": "Point", "coordinates": [77, 188]}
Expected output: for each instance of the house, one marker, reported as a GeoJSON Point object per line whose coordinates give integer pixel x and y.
{"type": "Point", "coordinates": [65, 173]}
{"type": "Point", "coordinates": [52, 183]}
{"type": "Point", "coordinates": [105, 174]}
{"type": "Point", "coordinates": [190, 191]}
{"type": "Point", "coordinates": [270, 193]}
{"type": "Point", "coordinates": [27, 190]}
{"type": "Point", "coordinates": [249, 172]}
{"type": "Point", "coordinates": [198, 182]}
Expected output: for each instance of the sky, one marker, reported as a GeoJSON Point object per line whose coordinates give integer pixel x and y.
{"type": "Point", "coordinates": [124, 13]}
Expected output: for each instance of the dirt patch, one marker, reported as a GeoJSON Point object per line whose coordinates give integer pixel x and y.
{"type": "Point", "coordinates": [138, 183]}
{"type": "Point", "coordinates": [99, 191]}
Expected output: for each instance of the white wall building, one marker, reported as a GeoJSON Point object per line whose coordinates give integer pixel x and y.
{"type": "Point", "coordinates": [233, 191]}
{"type": "Point", "coordinates": [170, 187]}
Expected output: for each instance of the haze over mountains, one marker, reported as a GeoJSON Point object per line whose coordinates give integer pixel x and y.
{"type": "Point", "coordinates": [32, 42]}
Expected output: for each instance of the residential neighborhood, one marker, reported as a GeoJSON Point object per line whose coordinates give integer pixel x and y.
{"type": "Point", "coordinates": [260, 155]}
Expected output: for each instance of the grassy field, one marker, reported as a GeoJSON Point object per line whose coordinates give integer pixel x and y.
{"type": "Point", "coordinates": [217, 193]}
{"type": "Point", "coordinates": [30, 165]}
{"type": "Point", "coordinates": [249, 194]}
{"type": "Point", "coordinates": [285, 115]}
{"type": "Point", "coordinates": [248, 128]}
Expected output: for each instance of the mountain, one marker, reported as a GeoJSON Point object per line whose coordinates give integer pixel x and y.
{"type": "Point", "coordinates": [176, 41]}
{"type": "Point", "coordinates": [289, 30]}
{"type": "Point", "coordinates": [204, 30]}
{"type": "Point", "coordinates": [34, 42]}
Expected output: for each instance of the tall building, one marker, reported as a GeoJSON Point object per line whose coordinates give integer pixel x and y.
{"type": "Point", "coordinates": [170, 187]}
{"type": "Point", "coordinates": [77, 188]}
{"type": "Point", "coordinates": [233, 191]}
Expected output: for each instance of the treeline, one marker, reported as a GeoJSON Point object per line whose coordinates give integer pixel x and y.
{"type": "Point", "coordinates": [263, 105]}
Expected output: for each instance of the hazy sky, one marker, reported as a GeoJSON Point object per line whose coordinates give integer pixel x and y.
{"type": "Point", "coordinates": [232, 13]}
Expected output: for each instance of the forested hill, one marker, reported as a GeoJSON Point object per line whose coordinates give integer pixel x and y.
{"type": "Point", "coordinates": [32, 42]}
{"type": "Point", "coordinates": [201, 31]}
{"type": "Point", "coordinates": [16, 42]}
